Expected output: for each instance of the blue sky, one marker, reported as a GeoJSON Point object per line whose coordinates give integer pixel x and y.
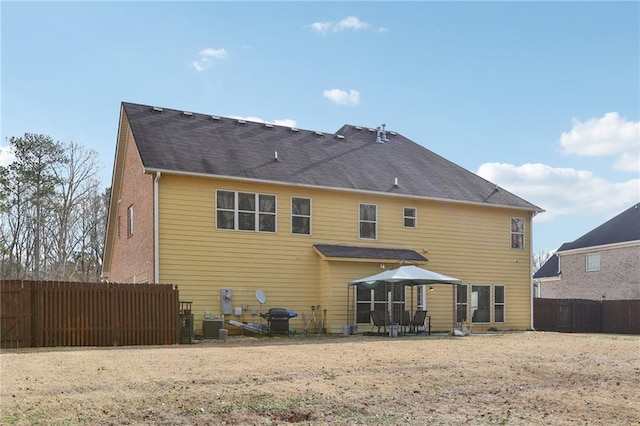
{"type": "Point", "coordinates": [542, 98]}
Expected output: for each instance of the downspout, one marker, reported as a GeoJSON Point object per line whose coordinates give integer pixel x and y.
{"type": "Point", "coordinates": [156, 233]}
{"type": "Point", "coordinates": [531, 296]}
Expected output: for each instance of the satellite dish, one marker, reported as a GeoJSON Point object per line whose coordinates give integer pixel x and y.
{"type": "Point", "coordinates": [262, 298]}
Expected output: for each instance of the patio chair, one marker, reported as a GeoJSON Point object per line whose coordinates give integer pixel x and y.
{"type": "Point", "coordinates": [405, 322]}
{"type": "Point", "coordinates": [380, 319]}
{"type": "Point", "coordinates": [418, 320]}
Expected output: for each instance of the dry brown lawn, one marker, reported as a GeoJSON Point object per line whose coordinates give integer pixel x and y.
{"type": "Point", "coordinates": [511, 378]}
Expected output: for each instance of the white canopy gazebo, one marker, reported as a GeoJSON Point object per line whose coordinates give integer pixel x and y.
{"type": "Point", "coordinates": [405, 275]}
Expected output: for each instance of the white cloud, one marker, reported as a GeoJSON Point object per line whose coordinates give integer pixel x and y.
{"type": "Point", "coordinates": [7, 155]}
{"type": "Point", "coordinates": [321, 27]}
{"type": "Point", "coordinates": [342, 97]}
{"type": "Point", "coordinates": [204, 62]}
{"type": "Point", "coordinates": [609, 135]}
{"type": "Point", "coordinates": [349, 23]}
{"type": "Point", "coordinates": [216, 53]}
{"type": "Point", "coordinates": [287, 122]}
{"type": "Point", "coordinates": [562, 191]}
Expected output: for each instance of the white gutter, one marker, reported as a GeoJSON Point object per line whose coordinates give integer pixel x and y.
{"type": "Point", "coordinates": [156, 233]}
{"type": "Point", "coordinates": [358, 191]}
{"type": "Point", "coordinates": [599, 248]}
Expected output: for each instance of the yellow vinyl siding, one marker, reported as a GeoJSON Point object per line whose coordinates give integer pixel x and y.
{"type": "Point", "coordinates": [468, 242]}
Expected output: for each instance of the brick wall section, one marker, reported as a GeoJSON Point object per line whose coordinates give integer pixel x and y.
{"type": "Point", "coordinates": [617, 279]}
{"type": "Point", "coordinates": [133, 255]}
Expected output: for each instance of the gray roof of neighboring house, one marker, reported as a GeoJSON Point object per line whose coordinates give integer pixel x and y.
{"type": "Point", "coordinates": [169, 140]}
{"type": "Point", "coordinates": [330, 250]}
{"type": "Point", "coordinates": [622, 228]}
{"type": "Point", "coordinates": [548, 268]}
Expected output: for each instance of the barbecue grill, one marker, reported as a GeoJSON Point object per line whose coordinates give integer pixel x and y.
{"type": "Point", "coordinates": [278, 319]}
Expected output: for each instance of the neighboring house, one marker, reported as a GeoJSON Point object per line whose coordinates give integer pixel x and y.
{"type": "Point", "coordinates": [224, 207]}
{"type": "Point", "coordinates": [602, 264]}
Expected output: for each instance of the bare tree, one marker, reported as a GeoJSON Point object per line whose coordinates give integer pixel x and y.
{"type": "Point", "coordinates": [52, 215]}
{"type": "Point", "coordinates": [537, 260]}
{"type": "Point", "coordinates": [78, 186]}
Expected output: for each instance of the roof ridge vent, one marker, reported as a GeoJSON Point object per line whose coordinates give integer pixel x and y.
{"type": "Point", "coordinates": [319, 133]}
{"type": "Point", "coordinates": [241, 122]}
{"type": "Point", "coordinates": [157, 109]}
{"type": "Point", "coordinates": [268, 125]}
{"type": "Point", "coordinates": [295, 129]}
{"type": "Point", "coordinates": [187, 114]}
{"type": "Point", "coordinates": [371, 129]}
{"type": "Point", "coordinates": [358, 128]}
{"type": "Point", "coordinates": [339, 136]}
{"type": "Point", "coordinates": [215, 118]}
{"type": "Point", "coordinates": [393, 133]}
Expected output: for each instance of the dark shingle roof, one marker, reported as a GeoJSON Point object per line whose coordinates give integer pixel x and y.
{"type": "Point", "coordinates": [169, 140]}
{"type": "Point", "coordinates": [548, 268]}
{"type": "Point", "coordinates": [622, 228]}
{"type": "Point", "coordinates": [330, 250]}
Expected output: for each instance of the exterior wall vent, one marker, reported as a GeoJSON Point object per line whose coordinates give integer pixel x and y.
{"type": "Point", "coordinates": [157, 109]}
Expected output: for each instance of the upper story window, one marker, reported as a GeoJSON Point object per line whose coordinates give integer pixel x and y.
{"type": "Point", "coordinates": [130, 220]}
{"type": "Point", "coordinates": [300, 215]}
{"type": "Point", "coordinates": [517, 233]}
{"type": "Point", "coordinates": [593, 262]}
{"type": "Point", "coordinates": [368, 221]}
{"type": "Point", "coordinates": [410, 217]}
{"type": "Point", "coordinates": [245, 211]}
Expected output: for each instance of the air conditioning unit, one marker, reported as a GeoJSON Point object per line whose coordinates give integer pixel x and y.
{"type": "Point", "coordinates": [211, 328]}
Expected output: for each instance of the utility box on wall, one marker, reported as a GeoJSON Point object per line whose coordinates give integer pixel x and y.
{"type": "Point", "coordinates": [226, 301]}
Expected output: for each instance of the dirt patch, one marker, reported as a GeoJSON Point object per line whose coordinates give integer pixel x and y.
{"type": "Point", "coordinates": [512, 378]}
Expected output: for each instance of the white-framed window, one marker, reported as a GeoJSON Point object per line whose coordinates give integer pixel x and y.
{"type": "Point", "coordinates": [461, 302]}
{"type": "Point", "coordinates": [375, 299]}
{"type": "Point", "coordinates": [498, 303]}
{"type": "Point", "coordinates": [517, 233]}
{"type": "Point", "coordinates": [368, 221]}
{"type": "Point", "coordinates": [481, 303]}
{"type": "Point", "coordinates": [130, 220]}
{"type": "Point", "coordinates": [593, 262]}
{"type": "Point", "coordinates": [301, 215]}
{"type": "Point", "coordinates": [410, 217]}
{"type": "Point", "coordinates": [245, 211]}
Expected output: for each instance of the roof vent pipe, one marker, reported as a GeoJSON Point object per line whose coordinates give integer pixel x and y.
{"type": "Point", "coordinates": [384, 134]}
{"type": "Point", "coordinates": [381, 134]}
{"type": "Point", "coordinates": [378, 135]}
{"type": "Point", "coordinates": [275, 155]}
{"type": "Point", "coordinates": [395, 182]}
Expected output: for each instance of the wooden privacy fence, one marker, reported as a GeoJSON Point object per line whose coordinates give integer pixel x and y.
{"type": "Point", "coordinates": [52, 313]}
{"type": "Point", "coordinates": [587, 316]}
